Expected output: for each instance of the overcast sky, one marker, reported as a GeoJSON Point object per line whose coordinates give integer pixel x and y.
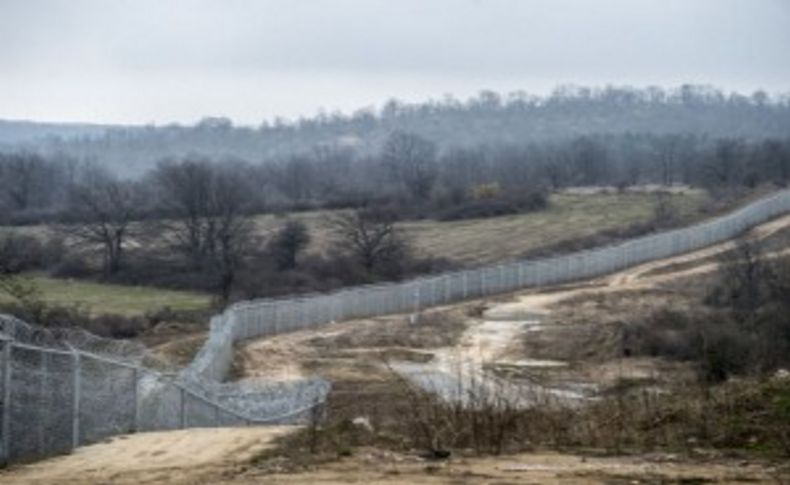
{"type": "Point", "coordinates": [141, 61]}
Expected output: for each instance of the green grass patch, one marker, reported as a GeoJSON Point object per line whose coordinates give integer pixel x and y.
{"type": "Point", "coordinates": [101, 298]}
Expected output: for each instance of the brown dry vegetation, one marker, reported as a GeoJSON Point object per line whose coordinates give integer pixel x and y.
{"type": "Point", "coordinates": [482, 241]}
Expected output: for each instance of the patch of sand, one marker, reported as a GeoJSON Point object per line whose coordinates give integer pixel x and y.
{"type": "Point", "coordinates": [182, 456]}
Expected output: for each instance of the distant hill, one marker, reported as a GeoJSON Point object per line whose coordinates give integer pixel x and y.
{"type": "Point", "coordinates": [13, 132]}
{"type": "Point", "coordinates": [489, 118]}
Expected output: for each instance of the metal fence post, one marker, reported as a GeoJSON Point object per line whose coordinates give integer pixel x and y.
{"type": "Point", "coordinates": [216, 416]}
{"type": "Point", "coordinates": [75, 413]}
{"type": "Point", "coordinates": [6, 418]}
{"type": "Point", "coordinates": [182, 409]}
{"type": "Point", "coordinates": [43, 421]}
{"type": "Point", "coordinates": [136, 398]}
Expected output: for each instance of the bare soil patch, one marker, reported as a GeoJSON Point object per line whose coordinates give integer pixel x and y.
{"type": "Point", "coordinates": [378, 466]}
{"type": "Point", "coordinates": [184, 456]}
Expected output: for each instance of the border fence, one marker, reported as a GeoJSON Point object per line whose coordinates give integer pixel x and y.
{"type": "Point", "coordinates": [259, 318]}
{"type": "Point", "coordinates": [59, 391]}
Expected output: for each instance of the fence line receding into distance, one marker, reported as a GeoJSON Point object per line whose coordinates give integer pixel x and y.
{"type": "Point", "coordinates": [53, 399]}
{"type": "Point", "coordinates": [266, 317]}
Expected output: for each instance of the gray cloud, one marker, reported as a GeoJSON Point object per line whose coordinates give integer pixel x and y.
{"type": "Point", "coordinates": [153, 60]}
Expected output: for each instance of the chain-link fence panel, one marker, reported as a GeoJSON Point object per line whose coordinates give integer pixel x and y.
{"type": "Point", "coordinates": [37, 421]}
{"type": "Point", "coordinates": [107, 399]}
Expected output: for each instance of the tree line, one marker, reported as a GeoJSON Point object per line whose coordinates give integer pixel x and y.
{"type": "Point", "coordinates": [410, 174]}
{"type": "Point", "coordinates": [489, 118]}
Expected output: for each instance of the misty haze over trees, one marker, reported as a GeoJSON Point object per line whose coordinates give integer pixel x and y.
{"type": "Point", "coordinates": [488, 119]}
{"type": "Point", "coordinates": [434, 152]}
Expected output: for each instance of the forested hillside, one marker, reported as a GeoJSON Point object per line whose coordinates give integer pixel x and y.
{"type": "Point", "coordinates": [488, 119]}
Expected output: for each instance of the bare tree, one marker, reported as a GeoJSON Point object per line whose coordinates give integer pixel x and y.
{"type": "Point", "coordinates": [776, 159]}
{"type": "Point", "coordinates": [664, 211]}
{"type": "Point", "coordinates": [21, 175]}
{"type": "Point", "coordinates": [230, 231]}
{"type": "Point", "coordinates": [296, 177]}
{"type": "Point", "coordinates": [184, 190]}
{"type": "Point", "coordinates": [204, 209]}
{"type": "Point", "coordinates": [371, 237]}
{"type": "Point", "coordinates": [103, 209]}
{"type": "Point", "coordinates": [411, 159]}
{"type": "Point", "coordinates": [724, 165]}
{"type": "Point", "coordinates": [667, 150]}
{"type": "Point", "coordinates": [589, 160]}
{"type": "Point", "coordinates": [745, 279]}
{"type": "Point", "coordinates": [555, 166]}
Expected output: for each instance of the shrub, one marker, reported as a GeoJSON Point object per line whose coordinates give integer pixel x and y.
{"type": "Point", "coordinates": [73, 266]}
{"type": "Point", "coordinates": [716, 343]}
{"type": "Point", "coordinates": [116, 326]}
{"type": "Point", "coordinates": [288, 242]}
{"type": "Point", "coordinates": [486, 191]}
{"type": "Point", "coordinates": [20, 252]}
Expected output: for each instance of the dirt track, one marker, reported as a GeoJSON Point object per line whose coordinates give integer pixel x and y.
{"type": "Point", "coordinates": [219, 455]}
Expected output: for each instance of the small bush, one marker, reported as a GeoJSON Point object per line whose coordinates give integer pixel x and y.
{"type": "Point", "coordinates": [713, 341]}
{"type": "Point", "coordinates": [19, 252]}
{"type": "Point", "coordinates": [116, 326]}
{"type": "Point", "coordinates": [73, 266]}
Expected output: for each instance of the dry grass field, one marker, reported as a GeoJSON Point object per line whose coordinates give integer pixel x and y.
{"type": "Point", "coordinates": [472, 242]}
{"type": "Point", "coordinates": [570, 216]}
{"type": "Point", "coordinates": [483, 241]}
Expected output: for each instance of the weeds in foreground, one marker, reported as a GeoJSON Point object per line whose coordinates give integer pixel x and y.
{"type": "Point", "coordinates": [744, 417]}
